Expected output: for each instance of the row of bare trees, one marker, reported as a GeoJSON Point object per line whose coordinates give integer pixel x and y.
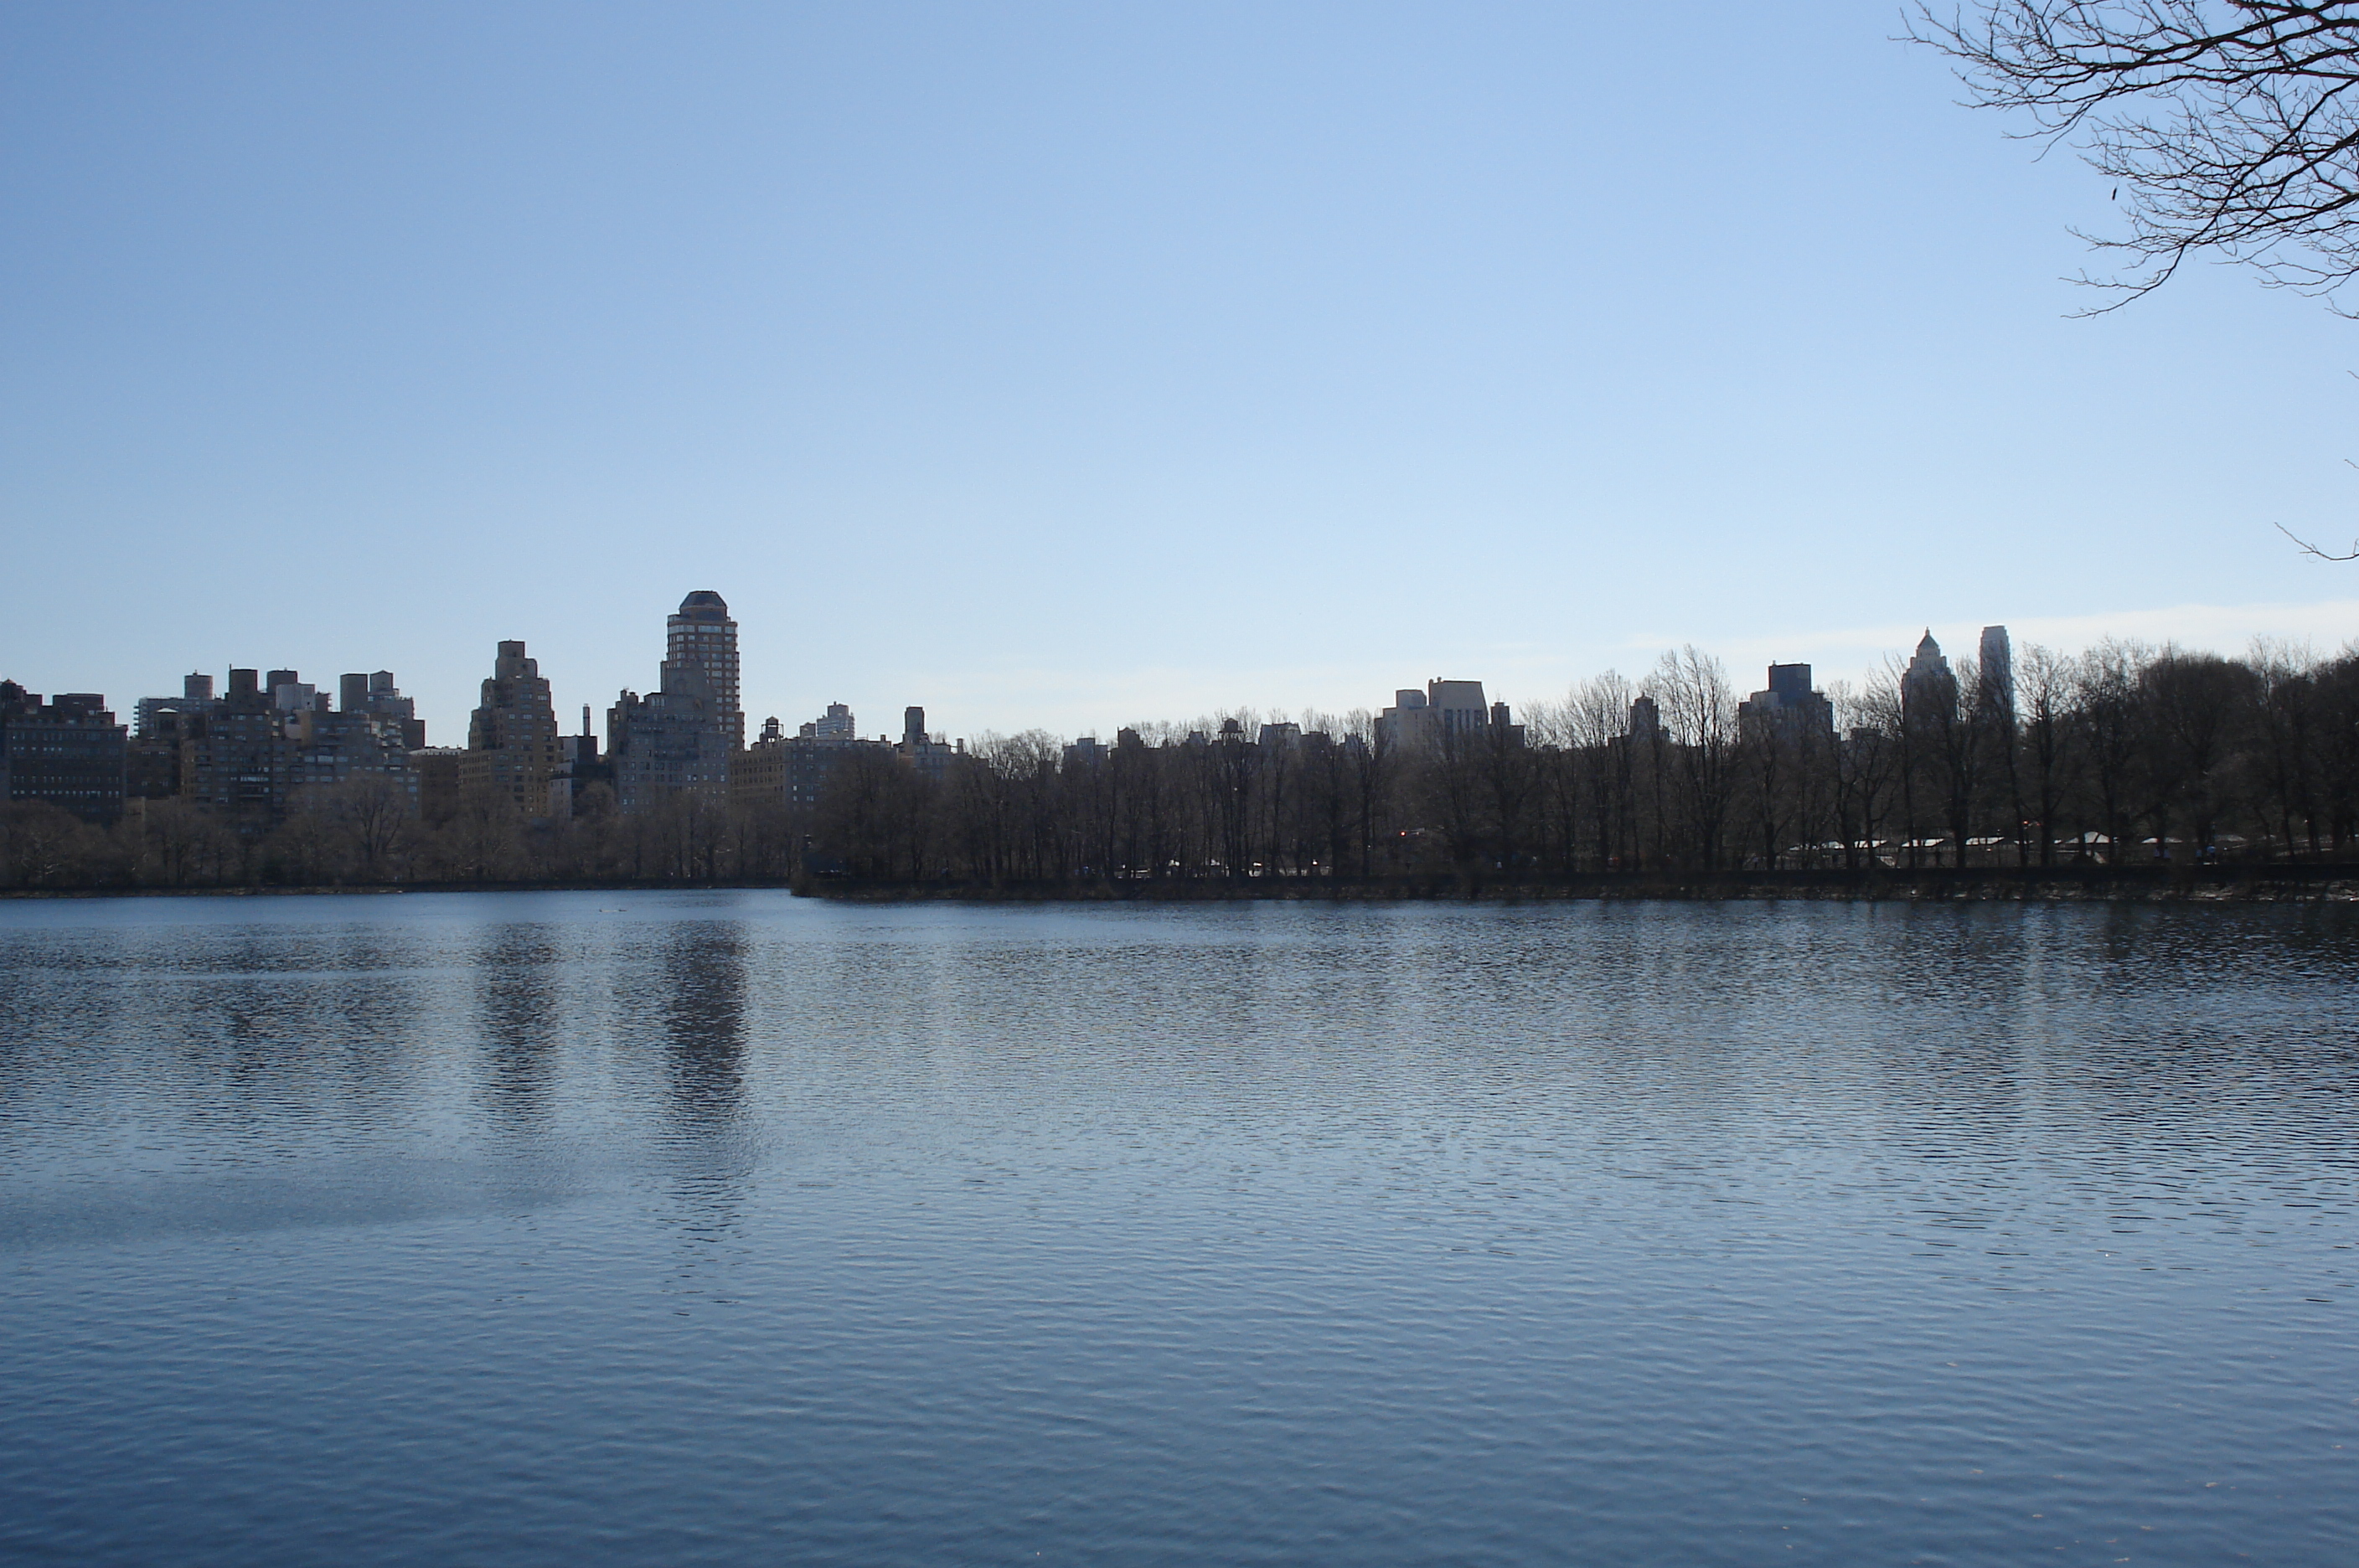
{"type": "Point", "coordinates": [2121, 756]}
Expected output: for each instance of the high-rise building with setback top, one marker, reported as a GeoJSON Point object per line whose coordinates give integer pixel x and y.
{"type": "Point", "coordinates": [512, 745]}
{"type": "Point", "coordinates": [1929, 688]}
{"type": "Point", "coordinates": [700, 635]}
{"type": "Point", "coordinates": [684, 736]}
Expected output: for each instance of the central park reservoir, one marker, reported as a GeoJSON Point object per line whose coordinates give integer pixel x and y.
{"type": "Point", "coordinates": [727, 1228]}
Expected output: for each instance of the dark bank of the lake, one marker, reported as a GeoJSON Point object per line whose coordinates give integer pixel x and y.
{"type": "Point", "coordinates": [2330, 882]}
{"type": "Point", "coordinates": [680, 1227]}
{"type": "Point", "coordinates": [2333, 882]}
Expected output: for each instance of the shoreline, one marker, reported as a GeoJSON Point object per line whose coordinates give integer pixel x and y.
{"type": "Point", "coordinates": [2329, 883]}
{"type": "Point", "coordinates": [2334, 882]}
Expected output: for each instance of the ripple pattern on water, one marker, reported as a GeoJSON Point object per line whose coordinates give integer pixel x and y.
{"type": "Point", "coordinates": [727, 1228]}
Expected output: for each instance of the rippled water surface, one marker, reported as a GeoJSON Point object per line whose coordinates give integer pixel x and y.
{"type": "Point", "coordinates": [730, 1228]}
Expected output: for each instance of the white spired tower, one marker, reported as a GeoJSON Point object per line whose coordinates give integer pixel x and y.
{"type": "Point", "coordinates": [701, 634]}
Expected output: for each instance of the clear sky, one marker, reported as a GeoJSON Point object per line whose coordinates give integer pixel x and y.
{"type": "Point", "coordinates": [1071, 364]}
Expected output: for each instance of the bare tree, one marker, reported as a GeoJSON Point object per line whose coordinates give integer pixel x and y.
{"type": "Point", "coordinates": [1599, 712]}
{"type": "Point", "coordinates": [2231, 126]}
{"type": "Point", "coordinates": [1699, 708]}
{"type": "Point", "coordinates": [1868, 762]}
{"type": "Point", "coordinates": [2049, 741]}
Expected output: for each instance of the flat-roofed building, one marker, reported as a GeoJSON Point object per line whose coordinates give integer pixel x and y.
{"type": "Point", "coordinates": [1789, 705]}
{"type": "Point", "coordinates": [333, 747]}
{"type": "Point", "coordinates": [237, 758]}
{"type": "Point", "coordinates": [1446, 712]}
{"type": "Point", "coordinates": [669, 741]}
{"type": "Point", "coordinates": [68, 751]}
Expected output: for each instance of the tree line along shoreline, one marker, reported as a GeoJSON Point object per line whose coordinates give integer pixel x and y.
{"type": "Point", "coordinates": [2328, 882]}
{"type": "Point", "coordinates": [2126, 762]}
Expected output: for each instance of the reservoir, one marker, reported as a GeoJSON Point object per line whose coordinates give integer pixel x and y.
{"type": "Point", "coordinates": [725, 1227]}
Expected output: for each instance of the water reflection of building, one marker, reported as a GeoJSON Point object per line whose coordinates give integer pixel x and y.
{"type": "Point", "coordinates": [516, 997]}
{"type": "Point", "coordinates": [705, 986]}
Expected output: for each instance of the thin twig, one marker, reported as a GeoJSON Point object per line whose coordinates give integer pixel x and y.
{"type": "Point", "coordinates": [2309, 548]}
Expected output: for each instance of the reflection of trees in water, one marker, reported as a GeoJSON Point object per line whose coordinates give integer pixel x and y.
{"type": "Point", "coordinates": [280, 1025]}
{"type": "Point", "coordinates": [515, 995]}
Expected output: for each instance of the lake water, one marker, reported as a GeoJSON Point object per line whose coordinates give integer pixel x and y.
{"type": "Point", "coordinates": [729, 1228]}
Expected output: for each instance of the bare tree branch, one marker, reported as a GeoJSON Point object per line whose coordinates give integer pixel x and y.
{"type": "Point", "coordinates": [2231, 125]}
{"type": "Point", "coordinates": [2309, 548]}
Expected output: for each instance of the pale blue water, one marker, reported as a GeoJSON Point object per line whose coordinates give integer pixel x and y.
{"type": "Point", "coordinates": [628, 1228]}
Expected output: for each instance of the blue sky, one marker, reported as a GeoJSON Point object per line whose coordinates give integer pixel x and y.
{"type": "Point", "coordinates": [1070, 365]}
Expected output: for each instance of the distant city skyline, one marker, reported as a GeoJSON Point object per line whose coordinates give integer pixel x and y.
{"type": "Point", "coordinates": [1073, 709]}
{"type": "Point", "coordinates": [1066, 368]}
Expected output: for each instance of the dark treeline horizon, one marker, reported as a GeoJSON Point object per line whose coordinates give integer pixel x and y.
{"type": "Point", "coordinates": [2122, 756]}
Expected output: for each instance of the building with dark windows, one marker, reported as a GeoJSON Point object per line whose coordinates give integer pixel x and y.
{"type": "Point", "coordinates": [334, 747]}
{"type": "Point", "coordinates": [927, 755]}
{"type": "Point", "coordinates": [237, 758]}
{"type": "Point", "coordinates": [668, 741]}
{"type": "Point", "coordinates": [376, 695]}
{"type": "Point", "coordinates": [683, 735]}
{"type": "Point", "coordinates": [69, 752]}
{"type": "Point", "coordinates": [152, 759]}
{"type": "Point", "coordinates": [155, 717]}
{"type": "Point", "coordinates": [757, 775]}
{"type": "Point", "coordinates": [512, 745]}
{"type": "Point", "coordinates": [579, 768]}
{"type": "Point", "coordinates": [1788, 707]}
{"type": "Point", "coordinates": [792, 768]}
{"type": "Point", "coordinates": [700, 635]}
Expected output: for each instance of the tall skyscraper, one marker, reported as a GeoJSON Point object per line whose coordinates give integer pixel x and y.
{"type": "Point", "coordinates": [1789, 704]}
{"type": "Point", "coordinates": [682, 736]}
{"type": "Point", "coordinates": [512, 746]}
{"type": "Point", "coordinates": [1996, 674]}
{"type": "Point", "coordinates": [1929, 688]}
{"type": "Point", "coordinates": [701, 634]}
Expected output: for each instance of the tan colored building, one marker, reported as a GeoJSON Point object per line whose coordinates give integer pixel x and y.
{"type": "Point", "coordinates": [511, 741]}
